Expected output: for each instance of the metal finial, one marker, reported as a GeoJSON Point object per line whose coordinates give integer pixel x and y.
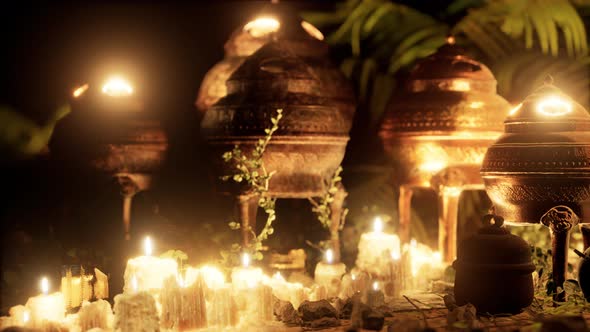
{"type": "Point", "coordinates": [548, 80]}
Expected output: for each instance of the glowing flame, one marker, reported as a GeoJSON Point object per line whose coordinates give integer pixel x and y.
{"type": "Point", "coordinates": [515, 109]}
{"type": "Point", "coordinates": [117, 87]}
{"type": "Point", "coordinates": [395, 255]}
{"type": "Point", "coordinates": [147, 246]}
{"type": "Point", "coordinates": [80, 90]}
{"type": "Point", "coordinates": [329, 256]}
{"type": "Point", "coordinates": [212, 276]}
{"type": "Point", "coordinates": [378, 225]}
{"type": "Point", "coordinates": [353, 276]}
{"type": "Point", "coordinates": [554, 106]}
{"type": "Point", "coordinates": [312, 31]}
{"type": "Point", "coordinates": [375, 286]}
{"type": "Point", "coordinates": [450, 40]}
{"type": "Point", "coordinates": [245, 260]}
{"type": "Point", "coordinates": [26, 316]}
{"type": "Point", "coordinates": [44, 285]}
{"type": "Point", "coordinates": [262, 26]}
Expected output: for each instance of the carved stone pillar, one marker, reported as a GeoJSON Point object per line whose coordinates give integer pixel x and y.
{"type": "Point", "coordinates": [560, 220]}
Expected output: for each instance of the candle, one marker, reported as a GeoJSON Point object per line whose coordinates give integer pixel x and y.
{"type": "Point", "coordinates": [97, 314]}
{"type": "Point", "coordinates": [76, 289]}
{"type": "Point", "coordinates": [183, 305]}
{"type": "Point", "coordinates": [286, 291]}
{"type": "Point", "coordinates": [136, 312]}
{"type": "Point", "coordinates": [251, 295]}
{"type": "Point", "coordinates": [46, 309]}
{"type": "Point", "coordinates": [328, 274]}
{"type": "Point", "coordinates": [148, 272]}
{"type": "Point", "coordinates": [221, 307]}
{"type": "Point", "coordinates": [375, 248]}
{"type": "Point", "coordinates": [394, 286]}
{"type": "Point", "coordinates": [19, 316]}
{"type": "Point", "coordinates": [246, 276]}
{"type": "Point", "coordinates": [375, 296]}
{"type": "Point", "coordinates": [212, 276]}
{"type": "Point", "coordinates": [422, 264]}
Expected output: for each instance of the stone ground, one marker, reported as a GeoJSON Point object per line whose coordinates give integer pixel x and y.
{"type": "Point", "coordinates": [432, 313]}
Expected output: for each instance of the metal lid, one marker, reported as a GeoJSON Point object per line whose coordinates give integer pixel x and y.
{"type": "Point", "coordinates": [547, 109]}
{"type": "Point", "coordinates": [494, 247]}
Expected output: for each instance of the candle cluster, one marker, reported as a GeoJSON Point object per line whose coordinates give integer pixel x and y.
{"type": "Point", "coordinates": [158, 296]}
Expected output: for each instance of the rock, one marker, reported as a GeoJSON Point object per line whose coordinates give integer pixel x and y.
{"type": "Point", "coordinates": [324, 322]}
{"type": "Point", "coordinates": [286, 313]}
{"type": "Point", "coordinates": [310, 311]}
{"type": "Point", "coordinates": [337, 303]}
{"type": "Point", "coordinates": [346, 309]}
{"type": "Point", "coordinates": [373, 320]}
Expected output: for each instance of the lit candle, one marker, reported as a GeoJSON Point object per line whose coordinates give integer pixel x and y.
{"type": "Point", "coordinates": [423, 265]}
{"type": "Point", "coordinates": [136, 312]}
{"type": "Point", "coordinates": [251, 295]}
{"type": "Point", "coordinates": [329, 274]}
{"type": "Point", "coordinates": [375, 250]}
{"type": "Point", "coordinates": [46, 309]}
{"type": "Point", "coordinates": [394, 286]}
{"type": "Point", "coordinates": [183, 305]}
{"type": "Point", "coordinates": [148, 272]}
{"type": "Point", "coordinates": [375, 296]}
{"type": "Point", "coordinates": [246, 276]}
{"type": "Point", "coordinates": [19, 316]}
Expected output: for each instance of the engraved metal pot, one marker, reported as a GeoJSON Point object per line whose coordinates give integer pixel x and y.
{"type": "Point", "coordinates": [538, 171]}
{"type": "Point", "coordinates": [274, 21]}
{"type": "Point", "coordinates": [291, 72]}
{"type": "Point", "coordinates": [117, 135]}
{"type": "Point", "coordinates": [437, 132]}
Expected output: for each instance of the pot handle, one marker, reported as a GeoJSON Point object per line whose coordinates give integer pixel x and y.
{"type": "Point", "coordinates": [498, 220]}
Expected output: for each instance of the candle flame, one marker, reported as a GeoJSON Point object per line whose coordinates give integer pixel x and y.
{"type": "Point", "coordinates": [353, 276]}
{"type": "Point", "coordinates": [147, 246]}
{"type": "Point", "coordinates": [245, 260]}
{"type": "Point", "coordinates": [329, 256]}
{"type": "Point", "coordinates": [80, 90]}
{"type": "Point", "coordinates": [375, 285]}
{"type": "Point", "coordinates": [395, 255]}
{"type": "Point", "coordinates": [554, 106]}
{"type": "Point", "coordinates": [378, 225]}
{"type": "Point", "coordinates": [26, 316]}
{"type": "Point", "coordinates": [117, 87]}
{"type": "Point", "coordinates": [262, 26]}
{"type": "Point", "coordinates": [44, 285]}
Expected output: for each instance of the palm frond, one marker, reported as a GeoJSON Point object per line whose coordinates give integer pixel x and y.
{"type": "Point", "coordinates": [551, 20]}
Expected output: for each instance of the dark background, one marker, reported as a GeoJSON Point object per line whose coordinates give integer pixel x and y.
{"type": "Point", "coordinates": [54, 213]}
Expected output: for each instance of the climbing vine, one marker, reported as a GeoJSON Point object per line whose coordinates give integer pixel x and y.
{"type": "Point", "coordinates": [250, 170]}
